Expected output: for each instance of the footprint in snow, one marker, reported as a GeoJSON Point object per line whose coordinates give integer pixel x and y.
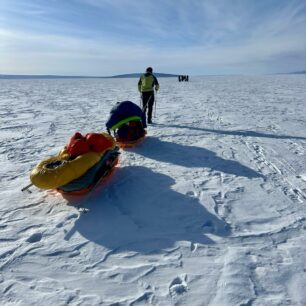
{"type": "Point", "coordinates": [36, 237]}
{"type": "Point", "coordinates": [302, 177]}
{"type": "Point", "coordinates": [178, 285]}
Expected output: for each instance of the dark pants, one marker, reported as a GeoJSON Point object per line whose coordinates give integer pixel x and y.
{"type": "Point", "coordinates": [147, 103]}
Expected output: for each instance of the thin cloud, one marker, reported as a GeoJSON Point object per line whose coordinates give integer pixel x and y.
{"type": "Point", "coordinates": [109, 37]}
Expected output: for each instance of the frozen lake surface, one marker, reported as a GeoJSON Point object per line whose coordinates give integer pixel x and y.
{"type": "Point", "coordinates": [208, 210]}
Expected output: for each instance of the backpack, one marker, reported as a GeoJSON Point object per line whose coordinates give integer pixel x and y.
{"type": "Point", "coordinates": [147, 82]}
{"type": "Point", "coordinates": [77, 145]}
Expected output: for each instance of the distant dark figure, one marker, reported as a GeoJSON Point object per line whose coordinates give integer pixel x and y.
{"type": "Point", "coordinates": [146, 85]}
{"type": "Point", "coordinates": [183, 78]}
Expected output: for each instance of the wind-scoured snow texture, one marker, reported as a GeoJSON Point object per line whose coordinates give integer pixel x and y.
{"type": "Point", "coordinates": [208, 210]}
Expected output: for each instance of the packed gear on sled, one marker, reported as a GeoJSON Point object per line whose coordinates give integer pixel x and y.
{"type": "Point", "coordinates": [94, 175]}
{"type": "Point", "coordinates": [128, 122]}
{"type": "Point", "coordinates": [85, 160]}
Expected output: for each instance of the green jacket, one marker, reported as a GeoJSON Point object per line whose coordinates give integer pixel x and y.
{"type": "Point", "coordinates": [147, 82]}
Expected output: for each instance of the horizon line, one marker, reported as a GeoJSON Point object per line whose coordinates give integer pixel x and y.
{"type": "Point", "coordinates": [3, 75]}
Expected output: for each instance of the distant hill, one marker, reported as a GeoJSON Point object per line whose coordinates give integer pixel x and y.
{"type": "Point", "coordinates": [33, 76]}
{"type": "Point", "coordinates": [137, 75]}
{"type": "Point", "coordinates": [298, 72]}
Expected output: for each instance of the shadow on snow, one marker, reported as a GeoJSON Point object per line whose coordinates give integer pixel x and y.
{"type": "Point", "coordinates": [139, 211]}
{"type": "Point", "coordinates": [233, 133]}
{"type": "Point", "coordinates": [190, 156]}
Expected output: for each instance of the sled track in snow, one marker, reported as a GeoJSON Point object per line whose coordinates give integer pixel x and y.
{"type": "Point", "coordinates": [276, 172]}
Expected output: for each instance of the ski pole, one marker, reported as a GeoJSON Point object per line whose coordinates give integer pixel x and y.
{"type": "Point", "coordinates": [155, 105]}
{"type": "Point", "coordinates": [146, 106]}
{"type": "Point", "coordinates": [27, 188]}
{"type": "Point", "coordinates": [140, 100]}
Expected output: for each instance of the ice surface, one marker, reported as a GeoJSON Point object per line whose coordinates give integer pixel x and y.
{"type": "Point", "coordinates": [208, 210]}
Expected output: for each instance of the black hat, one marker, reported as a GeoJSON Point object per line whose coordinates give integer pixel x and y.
{"type": "Point", "coordinates": [149, 69]}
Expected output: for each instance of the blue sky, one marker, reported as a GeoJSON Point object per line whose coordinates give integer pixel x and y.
{"type": "Point", "coordinates": [196, 37]}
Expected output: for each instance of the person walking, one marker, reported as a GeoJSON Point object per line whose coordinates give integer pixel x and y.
{"type": "Point", "coordinates": [146, 85]}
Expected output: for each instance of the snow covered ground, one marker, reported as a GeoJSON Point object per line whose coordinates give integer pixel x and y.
{"type": "Point", "coordinates": [208, 210]}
